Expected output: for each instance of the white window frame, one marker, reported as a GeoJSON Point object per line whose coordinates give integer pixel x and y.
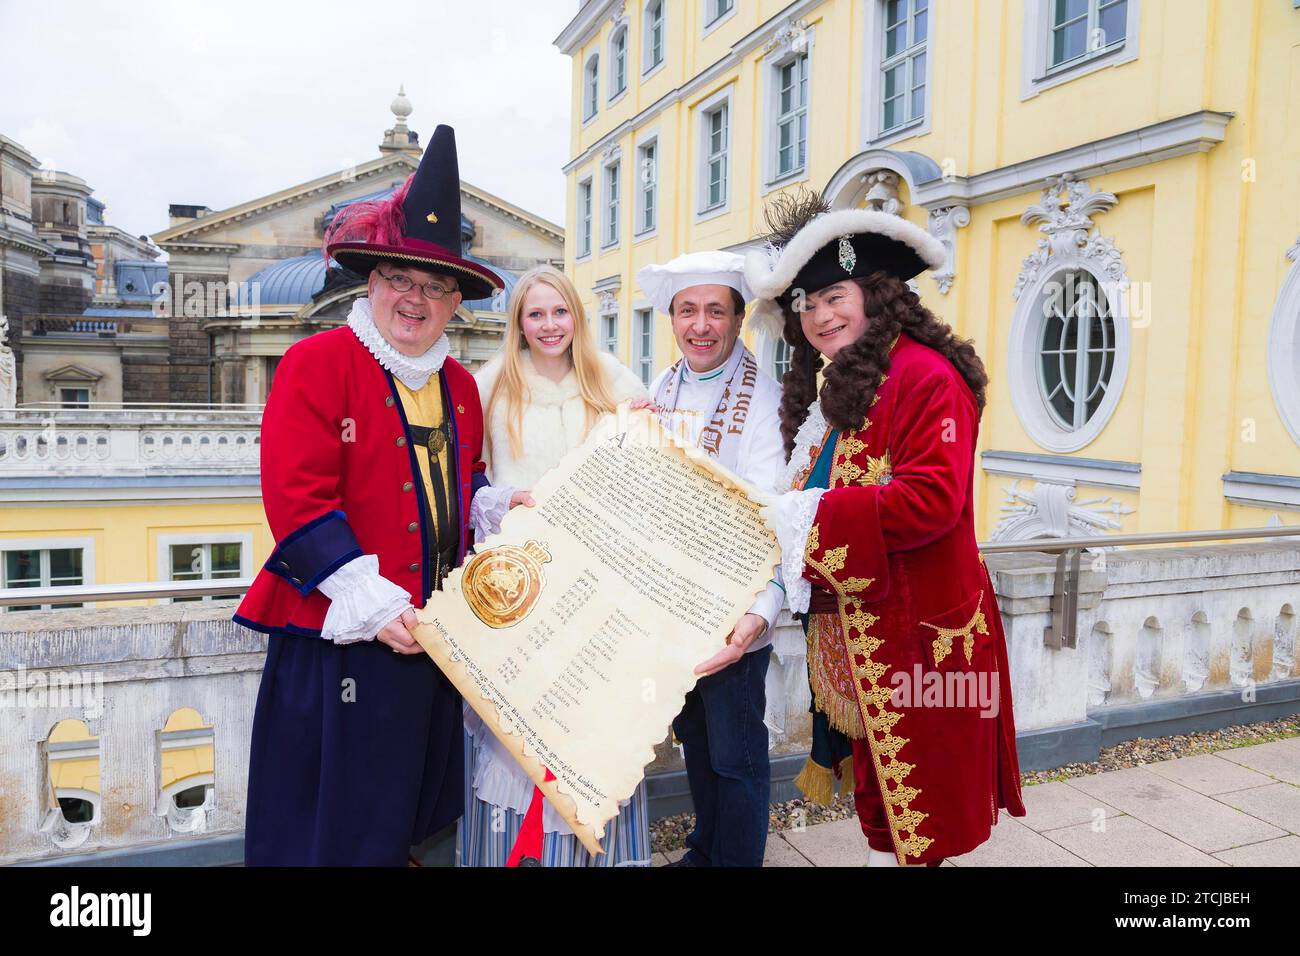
{"type": "Point", "coordinates": [87, 546]}
{"type": "Point", "coordinates": [773, 64]}
{"type": "Point", "coordinates": [643, 361]}
{"type": "Point", "coordinates": [608, 321]}
{"type": "Point", "coordinates": [1036, 418]}
{"type": "Point", "coordinates": [611, 204]}
{"type": "Point", "coordinates": [201, 539]}
{"type": "Point", "coordinates": [1284, 348]}
{"type": "Point", "coordinates": [590, 83]}
{"type": "Point", "coordinates": [615, 91]}
{"type": "Point", "coordinates": [648, 67]}
{"type": "Point", "coordinates": [640, 229]}
{"type": "Point", "coordinates": [589, 226]}
{"type": "Point", "coordinates": [719, 100]}
{"type": "Point", "coordinates": [712, 21]}
{"type": "Point", "coordinates": [1036, 74]}
{"type": "Point", "coordinates": [873, 58]}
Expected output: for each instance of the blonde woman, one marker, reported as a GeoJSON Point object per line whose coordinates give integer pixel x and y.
{"type": "Point", "coordinates": [541, 396]}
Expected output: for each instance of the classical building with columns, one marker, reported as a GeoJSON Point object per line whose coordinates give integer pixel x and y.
{"type": "Point", "coordinates": [1114, 181]}
{"type": "Point", "coordinates": [248, 281]}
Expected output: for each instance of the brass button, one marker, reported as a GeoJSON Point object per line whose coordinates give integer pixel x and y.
{"type": "Point", "coordinates": [401, 443]}
{"type": "Point", "coordinates": [296, 582]}
{"type": "Point", "coordinates": [284, 565]}
{"type": "Point", "coordinates": [413, 526]}
{"type": "Point", "coordinates": [407, 486]}
{"type": "Point", "coordinates": [414, 567]}
{"type": "Point", "coordinates": [389, 401]}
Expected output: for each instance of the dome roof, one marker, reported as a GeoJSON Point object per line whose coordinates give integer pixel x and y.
{"type": "Point", "coordinates": [296, 281]}
{"type": "Point", "coordinates": [290, 281]}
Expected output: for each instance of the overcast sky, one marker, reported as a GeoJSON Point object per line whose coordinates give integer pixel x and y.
{"type": "Point", "coordinates": [176, 101]}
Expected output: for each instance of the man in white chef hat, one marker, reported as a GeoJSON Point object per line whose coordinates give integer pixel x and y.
{"type": "Point", "coordinates": [716, 397]}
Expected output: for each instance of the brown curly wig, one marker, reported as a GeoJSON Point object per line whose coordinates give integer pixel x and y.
{"type": "Point", "coordinates": [851, 380]}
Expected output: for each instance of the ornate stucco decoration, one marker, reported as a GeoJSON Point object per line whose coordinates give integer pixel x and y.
{"type": "Point", "coordinates": [944, 223]}
{"type": "Point", "coordinates": [1049, 510]}
{"type": "Point", "coordinates": [1064, 214]}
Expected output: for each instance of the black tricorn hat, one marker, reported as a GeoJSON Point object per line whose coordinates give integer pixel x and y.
{"type": "Point", "coordinates": [419, 225]}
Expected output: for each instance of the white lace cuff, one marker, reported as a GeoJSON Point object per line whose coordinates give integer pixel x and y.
{"type": "Point", "coordinates": [362, 601]}
{"type": "Point", "coordinates": [791, 516]}
{"type": "Point", "coordinates": [488, 506]}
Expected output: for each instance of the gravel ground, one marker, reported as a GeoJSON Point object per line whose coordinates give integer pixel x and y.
{"type": "Point", "coordinates": [670, 833]}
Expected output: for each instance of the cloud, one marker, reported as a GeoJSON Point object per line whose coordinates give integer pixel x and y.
{"type": "Point", "coordinates": [163, 102]}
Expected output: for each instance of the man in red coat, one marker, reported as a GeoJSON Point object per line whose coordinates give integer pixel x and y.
{"type": "Point", "coordinates": [906, 654]}
{"type": "Point", "coordinates": [372, 479]}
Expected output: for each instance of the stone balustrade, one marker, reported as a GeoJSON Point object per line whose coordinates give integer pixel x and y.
{"type": "Point", "coordinates": [36, 442]}
{"type": "Point", "coordinates": [1161, 632]}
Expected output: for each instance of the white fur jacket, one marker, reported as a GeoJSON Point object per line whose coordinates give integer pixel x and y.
{"type": "Point", "coordinates": [554, 421]}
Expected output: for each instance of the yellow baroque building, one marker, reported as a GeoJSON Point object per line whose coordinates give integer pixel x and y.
{"type": "Point", "coordinates": [1115, 180]}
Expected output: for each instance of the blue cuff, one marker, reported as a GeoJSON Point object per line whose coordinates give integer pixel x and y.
{"type": "Point", "coordinates": [309, 555]}
{"type": "Point", "coordinates": [478, 480]}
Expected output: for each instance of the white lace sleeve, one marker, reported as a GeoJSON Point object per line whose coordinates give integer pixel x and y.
{"type": "Point", "coordinates": [791, 515]}
{"type": "Point", "coordinates": [488, 506]}
{"type": "Point", "coordinates": [362, 601]}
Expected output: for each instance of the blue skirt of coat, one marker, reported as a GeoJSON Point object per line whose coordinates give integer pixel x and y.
{"type": "Point", "coordinates": [355, 756]}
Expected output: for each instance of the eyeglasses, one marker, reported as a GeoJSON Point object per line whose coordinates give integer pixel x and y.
{"type": "Point", "coordinates": [401, 284]}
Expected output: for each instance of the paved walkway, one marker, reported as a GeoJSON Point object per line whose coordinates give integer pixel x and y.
{"type": "Point", "coordinates": [1231, 808]}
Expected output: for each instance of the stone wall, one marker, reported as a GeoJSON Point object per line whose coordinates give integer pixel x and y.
{"type": "Point", "coordinates": [188, 345]}
{"type": "Point", "coordinates": [145, 379]}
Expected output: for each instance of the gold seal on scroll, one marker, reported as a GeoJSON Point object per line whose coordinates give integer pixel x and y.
{"type": "Point", "coordinates": [502, 584]}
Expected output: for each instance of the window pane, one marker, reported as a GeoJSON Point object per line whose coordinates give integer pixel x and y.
{"type": "Point", "coordinates": [187, 562]}
{"type": "Point", "coordinates": [893, 80]}
{"type": "Point", "coordinates": [895, 40]}
{"type": "Point", "coordinates": [918, 102]}
{"type": "Point", "coordinates": [65, 566]}
{"type": "Point", "coordinates": [891, 118]}
{"type": "Point", "coordinates": [1069, 10]}
{"type": "Point", "coordinates": [895, 10]}
{"type": "Point", "coordinates": [225, 560]}
{"type": "Point", "coordinates": [1113, 22]}
{"type": "Point", "coordinates": [919, 26]}
{"type": "Point", "coordinates": [1070, 41]}
{"type": "Point", "coordinates": [22, 569]}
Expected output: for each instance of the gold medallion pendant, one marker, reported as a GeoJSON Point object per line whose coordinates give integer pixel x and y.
{"type": "Point", "coordinates": [503, 583]}
{"type": "Point", "coordinates": [437, 441]}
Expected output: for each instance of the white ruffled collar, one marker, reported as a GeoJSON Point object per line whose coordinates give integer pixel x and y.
{"type": "Point", "coordinates": [806, 440]}
{"type": "Point", "coordinates": [413, 371]}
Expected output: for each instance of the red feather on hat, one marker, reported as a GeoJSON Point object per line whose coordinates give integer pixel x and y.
{"type": "Point", "coordinates": [378, 221]}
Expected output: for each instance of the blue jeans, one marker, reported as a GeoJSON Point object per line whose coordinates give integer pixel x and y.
{"type": "Point", "coordinates": [725, 742]}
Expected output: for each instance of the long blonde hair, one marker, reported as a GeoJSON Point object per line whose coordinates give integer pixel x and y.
{"type": "Point", "coordinates": [510, 387]}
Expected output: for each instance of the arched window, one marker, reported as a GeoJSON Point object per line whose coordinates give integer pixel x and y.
{"type": "Point", "coordinates": [652, 32]}
{"type": "Point", "coordinates": [618, 64]}
{"type": "Point", "coordinates": [591, 87]}
{"type": "Point", "coordinates": [1070, 337]}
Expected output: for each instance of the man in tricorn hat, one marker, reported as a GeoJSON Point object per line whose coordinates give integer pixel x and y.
{"type": "Point", "coordinates": [372, 479]}
{"type": "Point", "coordinates": [907, 660]}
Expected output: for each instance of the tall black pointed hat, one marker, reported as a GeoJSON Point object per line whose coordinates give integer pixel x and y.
{"type": "Point", "coordinates": [418, 225]}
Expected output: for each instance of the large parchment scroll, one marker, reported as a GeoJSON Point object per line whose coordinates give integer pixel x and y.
{"type": "Point", "coordinates": [575, 632]}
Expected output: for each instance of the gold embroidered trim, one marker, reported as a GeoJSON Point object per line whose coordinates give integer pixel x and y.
{"type": "Point", "coordinates": [843, 470]}
{"type": "Point", "coordinates": [872, 700]}
{"type": "Point", "coordinates": [942, 645]}
{"type": "Point", "coordinates": [834, 558]}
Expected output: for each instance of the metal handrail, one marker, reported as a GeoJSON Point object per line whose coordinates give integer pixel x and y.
{"type": "Point", "coordinates": [84, 593]}
{"type": "Point", "coordinates": [10, 597]}
{"type": "Point", "coordinates": [1056, 545]}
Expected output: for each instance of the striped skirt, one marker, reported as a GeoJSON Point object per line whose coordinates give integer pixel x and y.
{"type": "Point", "coordinates": [481, 843]}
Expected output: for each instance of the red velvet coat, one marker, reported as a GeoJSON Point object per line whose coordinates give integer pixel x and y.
{"type": "Point", "coordinates": [337, 484]}
{"type": "Point", "coordinates": [916, 633]}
